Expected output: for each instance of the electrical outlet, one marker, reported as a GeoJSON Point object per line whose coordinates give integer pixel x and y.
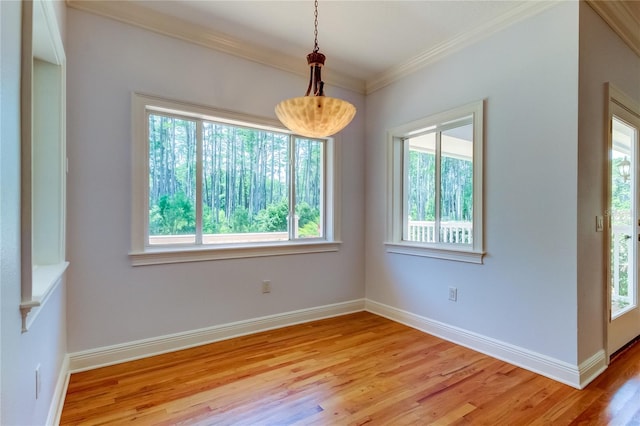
{"type": "Point", "coordinates": [38, 382]}
{"type": "Point", "coordinates": [453, 294]}
{"type": "Point", "coordinates": [266, 286]}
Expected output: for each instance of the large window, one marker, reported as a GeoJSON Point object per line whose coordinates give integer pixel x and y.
{"type": "Point", "coordinates": [226, 184]}
{"type": "Point", "coordinates": [436, 186]}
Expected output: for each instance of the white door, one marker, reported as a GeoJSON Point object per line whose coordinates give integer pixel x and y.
{"type": "Point", "coordinates": [624, 231]}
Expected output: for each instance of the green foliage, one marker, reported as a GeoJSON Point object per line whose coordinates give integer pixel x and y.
{"type": "Point", "coordinates": [240, 220]}
{"type": "Point", "coordinates": [172, 216]}
{"type": "Point", "coordinates": [308, 219]}
{"type": "Point", "coordinates": [307, 214]}
{"type": "Point", "coordinates": [621, 215]}
{"type": "Point", "coordinates": [209, 226]}
{"type": "Point", "coordinates": [310, 229]}
{"type": "Point", "coordinates": [273, 218]}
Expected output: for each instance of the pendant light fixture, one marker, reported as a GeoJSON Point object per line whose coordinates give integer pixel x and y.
{"type": "Point", "coordinates": [315, 115]}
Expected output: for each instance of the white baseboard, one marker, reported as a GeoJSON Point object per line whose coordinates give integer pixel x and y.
{"type": "Point", "coordinates": [572, 375]}
{"type": "Point", "coordinates": [94, 358]}
{"type": "Point", "coordinates": [59, 394]}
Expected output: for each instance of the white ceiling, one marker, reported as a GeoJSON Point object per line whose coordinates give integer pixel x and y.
{"type": "Point", "coordinates": [368, 43]}
{"type": "Point", "coordinates": [361, 39]}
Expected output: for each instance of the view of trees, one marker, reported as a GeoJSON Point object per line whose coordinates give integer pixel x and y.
{"type": "Point", "coordinates": [621, 218]}
{"type": "Point", "coordinates": [244, 178]}
{"type": "Point", "coordinates": [456, 187]}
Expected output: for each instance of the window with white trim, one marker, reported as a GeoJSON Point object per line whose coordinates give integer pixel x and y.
{"type": "Point", "coordinates": [214, 184]}
{"type": "Point", "coordinates": [435, 167]}
{"type": "Point", "coordinates": [43, 159]}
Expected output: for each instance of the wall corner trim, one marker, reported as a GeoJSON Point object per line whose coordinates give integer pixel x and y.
{"type": "Point", "coordinates": [592, 367]}
{"type": "Point", "coordinates": [115, 354]}
{"type": "Point", "coordinates": [622, 20]}
{"type": "Point", "coordinates": [552, 368]}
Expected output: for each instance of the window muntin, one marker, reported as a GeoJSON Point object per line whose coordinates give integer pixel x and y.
{"type": "Point", "coordinates": [436, 185]}
{"type": "Point", "coordinates": [301, 174]}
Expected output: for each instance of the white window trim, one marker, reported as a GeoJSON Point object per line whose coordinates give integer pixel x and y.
{"type": "Point", "coordinates": [142, 254]}
{"type": "Point", "coordinates": [43, 120]}
{"type": "Point", "coordinates": [395, 184]}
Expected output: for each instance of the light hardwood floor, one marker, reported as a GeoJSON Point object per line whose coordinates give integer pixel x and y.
{"type": "Point", "coordinates": [350, 370]}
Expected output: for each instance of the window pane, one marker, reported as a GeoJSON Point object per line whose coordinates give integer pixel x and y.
{"type": "Point", "coordinates": [309, 166]}
{"type": "Point", "coordinates": [172, 183]}
{"type": "Point", "coordinates": [421, 189]}
{"type": "Point", "coordinates": [245, 195]}
{"type": "Point", "coordinates": [456, 185]}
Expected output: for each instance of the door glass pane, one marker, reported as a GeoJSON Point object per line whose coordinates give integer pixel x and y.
{"type": "Point", "coordinates": [623, 255]}
{"type": "Point", "coordinates": [421, 189]}
{"type": "Point", "coordinates": [309, 166]}
{"type": "Point", "coordinates": [456, 185]}
{"type": "Point", "coordinates": [172, 180]}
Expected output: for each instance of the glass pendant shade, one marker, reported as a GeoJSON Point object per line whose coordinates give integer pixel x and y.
{"type": "Point", "coordinates": [315, 116]}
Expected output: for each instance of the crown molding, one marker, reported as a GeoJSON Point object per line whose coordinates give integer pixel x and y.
{"type": "Point", "coordinates": [523, 11]}
{"type": "Point", "coordinates": [622, 20]}
{"type": "Point", "coordinates": [140, 16]}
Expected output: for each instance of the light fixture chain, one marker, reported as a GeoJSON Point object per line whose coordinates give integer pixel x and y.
{"type": "Point", "coordinates": [315, 45]}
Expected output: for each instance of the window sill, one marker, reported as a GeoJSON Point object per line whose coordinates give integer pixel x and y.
{"type": "Point", "coordinates": [44, 281]}
{"type": "Point", "coordinates": [163, 255]}
{"type": "Point", "coordinates": [467, 256]}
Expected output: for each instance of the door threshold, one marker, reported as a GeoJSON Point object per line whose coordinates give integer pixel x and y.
{"type": "Point", "coordinates": [624, 348]}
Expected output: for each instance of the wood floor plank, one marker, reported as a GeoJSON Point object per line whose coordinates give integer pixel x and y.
{"type": "Point", "coordinates": [351, 370]}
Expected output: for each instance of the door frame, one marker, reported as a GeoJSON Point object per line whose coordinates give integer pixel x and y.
{"type": "Point", "coordinates": [613, 96]}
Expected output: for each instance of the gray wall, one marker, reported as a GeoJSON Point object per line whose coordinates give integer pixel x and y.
{"type": "Point", "coordinates": [525, 292]}
{"type": "Point", "coordinates": [45, 343]}
{"type": "Point", "coordinates": [604, 57]}
{"type": "Point", "coordinates": [112, 302]}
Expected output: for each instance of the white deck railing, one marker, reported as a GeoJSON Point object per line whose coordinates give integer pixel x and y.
{"type": "Point", "coordinates": [243, 237]}
{"type": "Point", "coordinates": [424, 231]}
{"type": "Point", "coordinates": [249, 237]}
